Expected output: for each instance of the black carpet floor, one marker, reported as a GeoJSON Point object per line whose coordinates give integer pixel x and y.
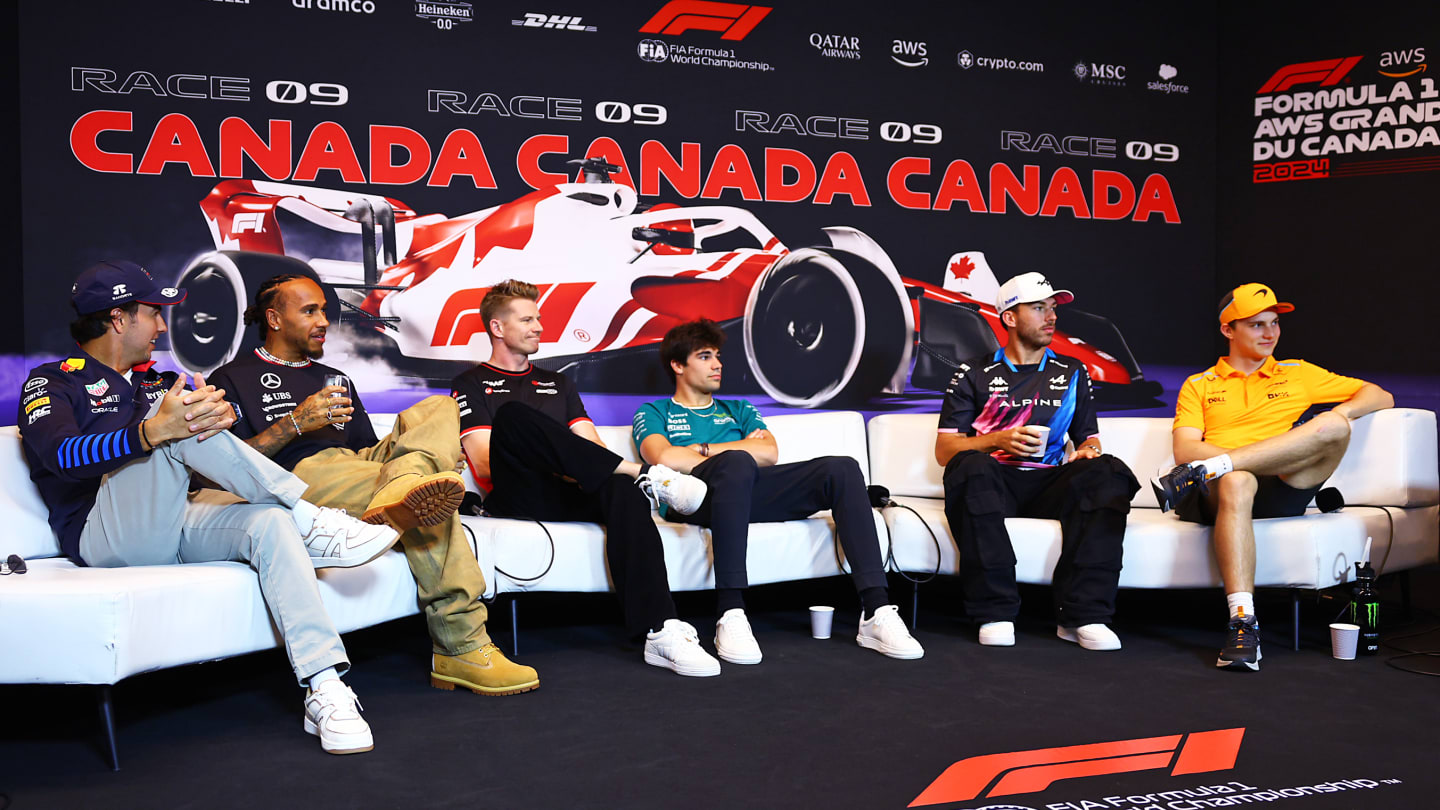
{"type": "Point", "coordinates": [820, 724]}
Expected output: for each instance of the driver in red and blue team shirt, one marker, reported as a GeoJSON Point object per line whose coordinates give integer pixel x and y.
{"type": "Point", "coordinates": [725, 443]}
{"type": "Point", "coordinates": [111, 443]}
{"type": "Point", "coordinates": [1002, 440]}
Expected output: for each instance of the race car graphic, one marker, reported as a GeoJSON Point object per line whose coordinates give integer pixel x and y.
{"type": "Point", "coordinates": [823, 324]}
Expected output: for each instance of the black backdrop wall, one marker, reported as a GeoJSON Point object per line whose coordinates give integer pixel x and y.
{"type": "Point", "coordinates": [1356, 245]}
{"type": "Point", "coordinates": [1080, 141]}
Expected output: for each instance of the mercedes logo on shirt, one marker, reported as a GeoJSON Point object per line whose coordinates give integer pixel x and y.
{"type": "Point", "coordinates": [270, 379]}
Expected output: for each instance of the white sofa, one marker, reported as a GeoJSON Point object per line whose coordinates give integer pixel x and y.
{"type": "Point", "coordinates": [1389, 479]}
{"type": "Point", "coordinates": [64, 624]}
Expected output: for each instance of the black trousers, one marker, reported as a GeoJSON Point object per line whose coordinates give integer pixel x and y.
{"type": "Point", "coordinates": [1090, 498]}
{"type": "Point", "coordinates": [742, 492]}
{"type": "Point", "coordinates": [530, 457]}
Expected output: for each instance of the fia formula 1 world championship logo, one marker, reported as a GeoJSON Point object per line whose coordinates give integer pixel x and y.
{"type": "Point", "coordinates": [994, 775]}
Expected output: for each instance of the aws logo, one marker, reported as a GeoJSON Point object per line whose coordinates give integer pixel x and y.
{"type": "Point", "coordinates": [1402, 63]}
{"type": "Point", "coordinates": [1010, 774]}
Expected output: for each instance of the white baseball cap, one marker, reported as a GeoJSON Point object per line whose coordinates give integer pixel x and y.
{"type": "Point", "coordinates": [1027, 288]}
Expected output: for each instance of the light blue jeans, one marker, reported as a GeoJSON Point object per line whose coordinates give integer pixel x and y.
{"type": "Point", "coordinates": [143, 515]}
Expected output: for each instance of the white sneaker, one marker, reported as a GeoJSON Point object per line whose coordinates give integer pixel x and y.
{"type": "Point", "coordinates": [681, 492]}
{"type": "Point", "coordinates": [1090, 636]}
{"type": "Point", "coordinates": [332, 713]}
{"type": "Point", "coordinates": [734, 640]}
{"type": "Point", "coordinates": [997, 634]}
{"type": "Point", "coordinates": [677, 647]}
{"type": "Point", "coordinates": [886, 633]}
{"type": "Point", "coordinates": [337, 540]}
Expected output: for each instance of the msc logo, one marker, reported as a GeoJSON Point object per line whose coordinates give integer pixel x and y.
{"type": "Point", "coordinates": [1326, 72]}
{"type": "Point", "coordinates": [652, 50]}
{"type": "Point", "coordinates": [1032, 771]}
{"type": "Point", "coordinates": [908, 53]}
{"type": "Point", "coordinates": [1099, 73]}
{"type": "Point", "coordinates": [735, 21]}
{"type": "Point", "coordinates": [1400, 59]}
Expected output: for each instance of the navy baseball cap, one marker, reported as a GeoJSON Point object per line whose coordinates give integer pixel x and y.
{"type": "Point", "coordinates": [116, 282]}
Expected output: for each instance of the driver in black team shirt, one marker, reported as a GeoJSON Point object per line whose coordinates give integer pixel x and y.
{"type": "Point", "coordinates": [290, 411]}
{"type": "Point", "coordinates": [532, 446]}
{"type": "Point", "coordinates": [1002, 441]}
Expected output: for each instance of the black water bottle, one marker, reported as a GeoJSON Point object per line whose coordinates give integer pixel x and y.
{"type": "Point", "coordinates": [1365, 609]}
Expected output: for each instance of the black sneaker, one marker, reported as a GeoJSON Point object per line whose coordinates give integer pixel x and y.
{"type": "Point", "coordinates": [1242, 647]}
{"type": "Point", "coordinates": [1172, 486]}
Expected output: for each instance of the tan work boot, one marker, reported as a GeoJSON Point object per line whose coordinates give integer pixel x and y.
{"type": "Point", "coordinates": [485, 671]}
{"type": "Point", "coordinates": [416, 500]}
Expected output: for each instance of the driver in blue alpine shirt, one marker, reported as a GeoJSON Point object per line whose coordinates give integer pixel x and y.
{"type": "Point", "coordinates": [998, 464]}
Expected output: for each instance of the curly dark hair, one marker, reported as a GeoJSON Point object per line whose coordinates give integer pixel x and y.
{"type": "Point", "coordinates": [265, 298]}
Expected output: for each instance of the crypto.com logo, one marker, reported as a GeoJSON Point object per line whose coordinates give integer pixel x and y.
{"type": "Point", "coordinates": [1033, 771]}
{"type": "Point", "coordinates": [1325, 71]}
{"type": "Point", "coordinates": [736, 20]}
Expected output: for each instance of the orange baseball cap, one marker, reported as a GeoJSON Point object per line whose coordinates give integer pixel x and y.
{"type": "Point", "coordinates": [1250, 299]}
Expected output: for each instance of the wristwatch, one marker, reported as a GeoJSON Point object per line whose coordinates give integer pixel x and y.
{"type": "Point", "coordinates": [705, 449]}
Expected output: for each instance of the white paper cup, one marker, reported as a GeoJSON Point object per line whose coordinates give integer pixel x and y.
{"type": "Point", "coordinates": [1044, 439]}
{"type": "Point", "coordinates": [823, 616]}
{"type": "Point", "coordinates": [1343, 638]}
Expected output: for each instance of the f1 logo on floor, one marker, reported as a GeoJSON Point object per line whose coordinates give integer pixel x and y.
{"type": "Point", "coordinates": [1034, 771]}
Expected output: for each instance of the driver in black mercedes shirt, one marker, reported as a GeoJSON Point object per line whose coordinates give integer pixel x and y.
{"type": "Point", "coordinates": [290, 412]}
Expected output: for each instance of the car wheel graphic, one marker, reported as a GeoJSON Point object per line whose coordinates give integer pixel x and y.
{"type": "Point", "coordinates": [207, 329]}
{"type": "Point", "coordinates": [823, 326]}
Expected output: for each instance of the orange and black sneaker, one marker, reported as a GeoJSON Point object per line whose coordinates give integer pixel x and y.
{"type": "Point", "coordinates": [1242, 648]}
{"type": "Point", "coordinates": [1174, 485]}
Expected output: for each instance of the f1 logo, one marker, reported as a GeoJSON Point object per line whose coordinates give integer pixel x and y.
{"type": "Point", "coordinates": [1325, 71]}
{"type": "Point", "coordinates": [1033, 771]}
{"type": "Point", "coordinates": [678, 16]}
{"type": "Point", "coordinates": [248, 222]}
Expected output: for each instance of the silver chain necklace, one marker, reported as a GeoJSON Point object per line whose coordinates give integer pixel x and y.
{"type": "Point", "coordinates": [270, 358]}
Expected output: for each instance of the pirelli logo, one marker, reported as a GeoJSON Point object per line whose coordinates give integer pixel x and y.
{"type": "Point", "coordinates": [1033, 771]}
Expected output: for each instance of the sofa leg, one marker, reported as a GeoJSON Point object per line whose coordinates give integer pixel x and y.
{"type": "Point", "coordinates": [514, 625]}
{"type": "Point", "coordinates": [914, 605]}
{"type": "Point", "coordinates": [1295, 616]}
{"type": "Point", "coordinates": [107, 720]}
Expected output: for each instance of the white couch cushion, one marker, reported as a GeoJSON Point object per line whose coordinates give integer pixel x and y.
{"type": "Point", "coordinates": [1391, 461]}
{"type": "Point", "coordinates": [66, 624]}
{"type": "Point", "coordinates": [27, 527]}
{"type": "Point", "coordinates": [777, 552]}
{"type": "Point", "coordinates": [1162, 551]}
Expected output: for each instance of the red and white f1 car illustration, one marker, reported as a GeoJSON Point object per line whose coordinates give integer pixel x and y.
{"type": "Point", "coordinates": [820, 324]}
